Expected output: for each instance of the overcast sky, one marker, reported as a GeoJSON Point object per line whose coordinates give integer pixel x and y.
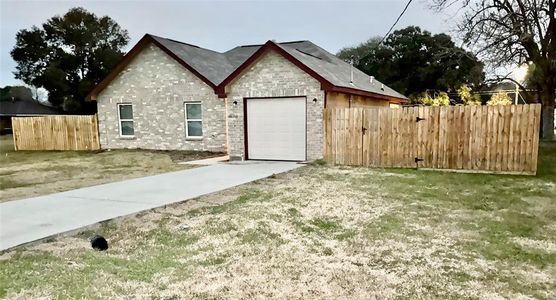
{"type": "Point", "coordinates": [221, 25]}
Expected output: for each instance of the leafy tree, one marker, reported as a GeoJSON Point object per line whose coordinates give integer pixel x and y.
{"type": "Point", "coordinates": [509, 33]}
{"type": "Point", "coordinates": [534, 80]}
{"type": "Point", "coordinates": [69, 55]}
{"type": "Point", "coordinates": [500, 98]}
{"type": "Point", "coordinates": [15, 93]}
{"type": "Point", "coordinates": [467, 97]}
{"type": "Point", "coordinates": [360, 51]}
{"type": "Point", "coordinates": [412, 61]}
{"type": "Point", "coordinates": [5, 94]}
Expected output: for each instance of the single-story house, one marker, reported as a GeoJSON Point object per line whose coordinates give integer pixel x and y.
{"type": "Point", "coordinates": [254, 102]}
{"type": "Point", "coordinates": [22, 108]}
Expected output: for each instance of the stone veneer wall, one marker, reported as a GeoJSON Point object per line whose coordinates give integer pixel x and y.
{"type": "Point", "coordinates": [274, 76]}
{"type": "Point", "coordinates": [157, 87]}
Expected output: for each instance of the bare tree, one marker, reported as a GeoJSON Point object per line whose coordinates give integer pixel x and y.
{"type": "Point", "coordinates": [506, 33]}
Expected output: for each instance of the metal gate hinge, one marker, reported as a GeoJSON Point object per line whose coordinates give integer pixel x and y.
{"type": "Point", "coordinates": [417, 159]}
{"type": "Point", "coordinates": [417, 119]}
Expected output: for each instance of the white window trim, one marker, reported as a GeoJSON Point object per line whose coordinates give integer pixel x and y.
{"type": "Point", "coordinates": [120, 121]}
{"type": "Point", "coordinates": [187, 136]}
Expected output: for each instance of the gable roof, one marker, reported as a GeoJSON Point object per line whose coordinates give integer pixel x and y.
{"type": "Point", "coordinates": [26, 108]}
{"type": "Point", "coordinates": [333, 73]}
{"type": "Point", "coordinates": [219, 69]}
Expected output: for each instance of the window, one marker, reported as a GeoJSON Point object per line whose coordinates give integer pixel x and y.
{"type": "Point", "coordinates": [125, 113]}
{"type": "Point", "coordinates": [193, 120]}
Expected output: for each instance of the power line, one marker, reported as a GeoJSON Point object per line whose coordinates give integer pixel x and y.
{"type": "Point", "coordinates": [397, 20]}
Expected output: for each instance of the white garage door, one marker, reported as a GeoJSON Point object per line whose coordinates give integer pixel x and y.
{"type": "Point", "coordinates": [276, 128]}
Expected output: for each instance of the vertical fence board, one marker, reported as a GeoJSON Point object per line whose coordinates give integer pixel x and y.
{"type": "Point", "coordinates": [530, 132]}
{"type": "Point", "coordinates": [490, 136]}
{"type": "Point", "coordinates": [431, 155]}
{"type": "Point", "coordinates": [435, 149]}
{"type": "Point", "coordinates": [523, 136]}
{"type": "Point", "coordinates": [375, 153]}
{"type": "Point", "coordinates": [506, 134]}
{"type": "Point", "coordinates": [511, 131]}
{"type": "Point", "coordinates": [536, 136]}
{"type": "Point", "coordinates": [501, 138]}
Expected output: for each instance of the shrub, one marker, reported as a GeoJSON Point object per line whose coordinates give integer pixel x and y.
{"type": "Point", "coordinates": [467, 97]}
{"type": "Point", "coordinates": [425, 99]}
{"type": "Point", "coordinates": [500, 98]}
{"type": "Point", "coordinates": [441, 100]}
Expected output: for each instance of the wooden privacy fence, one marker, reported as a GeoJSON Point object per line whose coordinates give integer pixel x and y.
{"type": "Point", "coordinates": [55, 133]}
{"type": "Point", "coordinates": [497, 139]}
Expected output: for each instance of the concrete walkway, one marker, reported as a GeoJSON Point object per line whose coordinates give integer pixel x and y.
{"type": "Point", "coordinates": [27, 220]}
{"type": "Point", "coordinates": [207, 161]}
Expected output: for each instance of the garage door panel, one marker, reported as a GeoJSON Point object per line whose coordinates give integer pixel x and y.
{"type": "Point", "coordinates": [276, 128]}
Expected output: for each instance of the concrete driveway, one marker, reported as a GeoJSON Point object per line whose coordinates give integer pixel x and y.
{"type": "Point", "coordinates": [27, 220]}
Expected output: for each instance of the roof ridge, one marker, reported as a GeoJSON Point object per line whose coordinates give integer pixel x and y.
{"type": "Point", "coordinates": [295, 42]}
{"type": "Point", "coordinates": [252, 45]}
{"type": "Point", "coordinates": [183, 43]}
{"type": "Point", "coordinates": [172, 40]}
{"type": "Point", "coordinates": [280, 43]}
{"type": "Point", "coordinates": [307, 53]}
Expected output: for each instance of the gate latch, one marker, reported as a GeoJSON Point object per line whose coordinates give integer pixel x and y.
{"type": "Point", "coordinates": [364, 130]}
{"type": "Point", "coordinates": [417, 119]}
{"type": "Point", "coordinates": [417, 159]}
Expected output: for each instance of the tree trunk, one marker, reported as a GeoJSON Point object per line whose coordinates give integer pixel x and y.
{"type": "Point", "coordinates": [548, 98]}
{"type": "Point", "coordinates": [548, 122]}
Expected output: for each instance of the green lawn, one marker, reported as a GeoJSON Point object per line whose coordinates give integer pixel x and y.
{"type": "Point", "coordinates": [32, 173]}
{"type": "Point", "coordinates": [319, 232]}
{"type": "Point", "coordinates": [6, 144]}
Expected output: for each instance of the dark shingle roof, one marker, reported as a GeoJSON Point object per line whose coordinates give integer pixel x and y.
{"type": "Point", "coordinates": [216, 66]}
{"type": "Point", "coordinates": [239, 55]}
{"type": "Point", "coordinates": [335, 70]}
{"type": "Point", "coordinates": [26, 108]}
{"type": "Point", "coordinates": [211, 64]}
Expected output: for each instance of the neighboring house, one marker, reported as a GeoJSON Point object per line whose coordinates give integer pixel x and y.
{"type": "Point", "coordinates": [22, 108]}
{"type": "Point", "coordinates": [254, 102]}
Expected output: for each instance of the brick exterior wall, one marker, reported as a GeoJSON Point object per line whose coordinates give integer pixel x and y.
{"type": "Point", "coordinates": [275, 76]}
{"type": "Point", "coordinates": [157, 87]}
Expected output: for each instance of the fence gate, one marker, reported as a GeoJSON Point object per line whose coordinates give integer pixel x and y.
{"type": "Point", "coordinates": [501, 139]}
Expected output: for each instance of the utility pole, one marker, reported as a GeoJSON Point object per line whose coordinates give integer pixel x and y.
{"type": "Point", "coordinates": [516, 93]}
{"type": "Point", "coordinates": [351, 70]}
